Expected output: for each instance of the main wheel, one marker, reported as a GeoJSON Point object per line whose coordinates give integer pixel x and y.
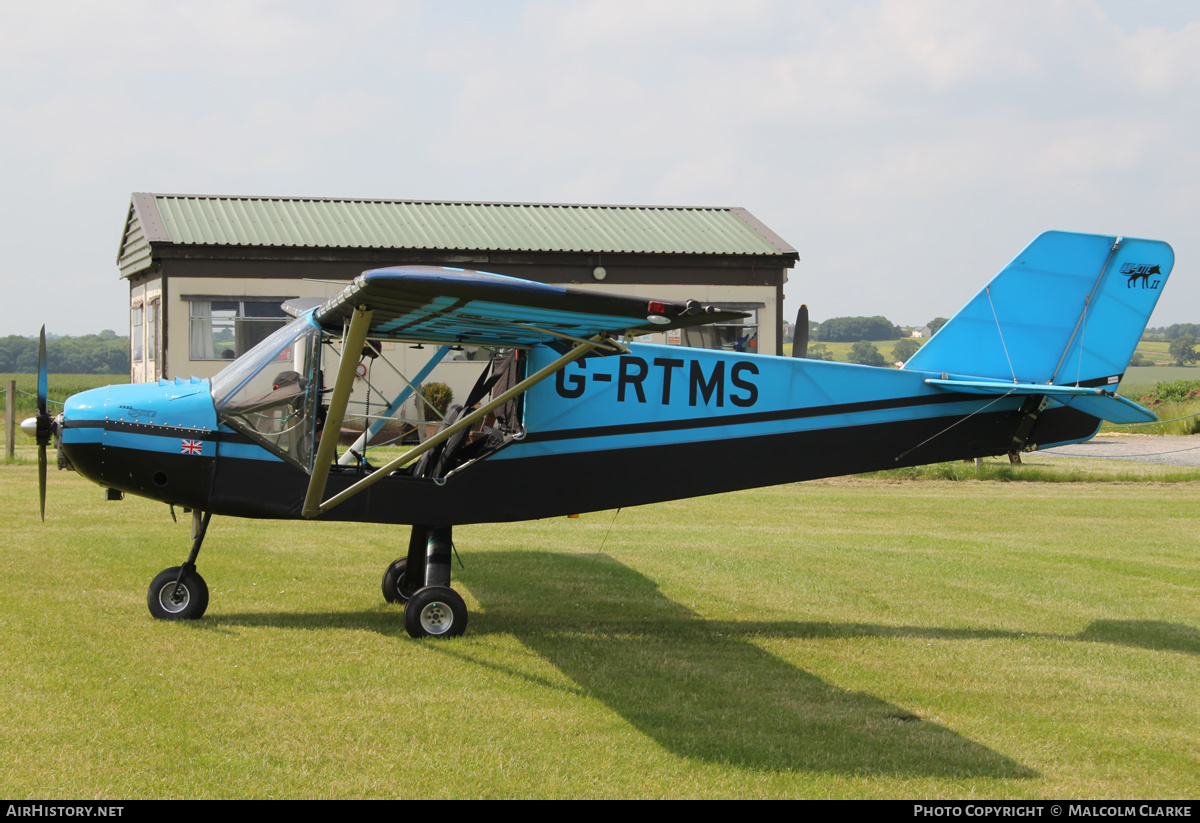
{"type": "Point", "coordinates": [188, 604]}
{"type": "Point", "coordinates": [394, 588]}
{"type": "Point", "coordinates": [435, 611]}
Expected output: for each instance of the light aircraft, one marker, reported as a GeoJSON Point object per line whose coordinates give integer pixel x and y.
{"type": "Point", "coordinates": [567, 417]}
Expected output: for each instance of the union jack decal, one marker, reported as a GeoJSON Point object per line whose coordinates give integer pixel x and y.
{"type": "Point", "coordinates": [191, 446]}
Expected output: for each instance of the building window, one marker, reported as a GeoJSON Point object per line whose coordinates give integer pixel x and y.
{"type": "Point", "coordinates": [152, 331]}
{"type": "Point", "coordinates": [736, 335]}
{"type": "Point", "coordinates": [224, 329]}
{"type": "Point", "coordinates": [135, 333]}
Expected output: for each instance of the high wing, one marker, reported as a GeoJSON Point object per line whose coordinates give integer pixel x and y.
{"type": "Point", "coordinates": [456, 306]}
{"type": "Point", "coordinates": [445, 305]}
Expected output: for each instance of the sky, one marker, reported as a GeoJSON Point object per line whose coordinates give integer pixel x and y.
{"type": "Point", "coordinates": [908, 149]}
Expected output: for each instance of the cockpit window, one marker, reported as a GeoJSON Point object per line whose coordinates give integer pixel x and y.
{"type": "Point", "coordinates": [270, 394]}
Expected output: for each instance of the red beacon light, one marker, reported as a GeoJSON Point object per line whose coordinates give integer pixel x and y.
{"type": "Point", "coordinates": [655, 313]}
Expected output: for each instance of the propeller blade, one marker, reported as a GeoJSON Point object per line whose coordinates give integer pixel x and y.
{"type": "Point", "coordinates": [44, 426]}
{"type": "Point", "coordinates": [42, 480]}
{"type": "Point", "coordinates": [43, 383]}
{"type": "Point", "coordinates": [800, 337]}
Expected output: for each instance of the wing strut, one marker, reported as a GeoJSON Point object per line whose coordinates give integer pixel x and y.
{"type": "Point", "coordinates": [356, 336]}
{"type": "Point", "coordinates": [316, 484]}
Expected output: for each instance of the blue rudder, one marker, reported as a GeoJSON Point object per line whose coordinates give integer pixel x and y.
{"type": "Point", "coordinates": [1068, 310]}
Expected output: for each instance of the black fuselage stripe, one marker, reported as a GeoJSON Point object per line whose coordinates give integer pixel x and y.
{"type": "Point", "coordinates": [745, 419]}
{"type": "Point", "coordinates": [159, 431]}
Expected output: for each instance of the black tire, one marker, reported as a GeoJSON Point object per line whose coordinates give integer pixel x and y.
{"type": "Point", "coordinates": [435, 611]}
{"type": "Point", "coordinates": [193, 596]}
{"type": "Point", "coordinates": [395, 589]}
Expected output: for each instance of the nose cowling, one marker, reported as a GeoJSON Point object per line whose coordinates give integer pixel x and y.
{"type": "Point", "coordinates": [156, 440]}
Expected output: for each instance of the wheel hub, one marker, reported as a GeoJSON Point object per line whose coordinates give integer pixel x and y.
{"type": "Point", "coordinates": [437, 618]}
{"type": "Point", "coordinates": [172, 602]}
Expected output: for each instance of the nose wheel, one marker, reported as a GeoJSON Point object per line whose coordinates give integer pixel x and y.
{"type": "Point", "coordinates": [180, 593]}
{"type": "Point", "coordinates": [172, 597]}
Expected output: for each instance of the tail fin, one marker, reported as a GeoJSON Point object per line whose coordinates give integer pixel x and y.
{"type": "Point", "coordinates": [1068, 311]}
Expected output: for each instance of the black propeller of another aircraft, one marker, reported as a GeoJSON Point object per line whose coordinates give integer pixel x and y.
{"type": "Point", "coordinates": [800, 335]}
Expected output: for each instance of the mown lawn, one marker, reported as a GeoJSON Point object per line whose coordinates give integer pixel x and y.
{"type": "Point", "coordinates": [59, 388]}
{"type": "Point", "coordinates": [847, 638]}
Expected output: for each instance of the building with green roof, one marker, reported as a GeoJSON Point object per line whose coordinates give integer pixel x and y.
{"type": "Point", "coordinates": [207, 273]}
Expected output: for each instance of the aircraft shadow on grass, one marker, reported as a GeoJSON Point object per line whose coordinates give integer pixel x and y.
{"type": "Point", "coordinates": [1156, 635]}
{"type": "Point", "coordinates": [701, 688]}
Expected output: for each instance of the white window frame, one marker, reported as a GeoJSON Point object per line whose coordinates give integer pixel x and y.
{"type": "Point", "coordinates": [248, 329]}
{"type": "Point", "coordinates": [136, 332]}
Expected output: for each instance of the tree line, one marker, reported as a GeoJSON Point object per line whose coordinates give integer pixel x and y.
{"type": "Point", "coordinates": [854, 329]}
{"type": "Point", "coordinates": [1173, 332]}
{"type": "Point", "coordinates": [103, 353]}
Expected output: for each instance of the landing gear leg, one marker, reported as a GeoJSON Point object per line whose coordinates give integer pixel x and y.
{"type": "Point", "coordinates": [180, 593]}
{"type": "Point", "coordinates": [422, 581]}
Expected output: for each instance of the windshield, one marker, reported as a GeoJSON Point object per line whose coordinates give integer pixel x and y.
{"type": "Point", "coordinates": [270, 393]}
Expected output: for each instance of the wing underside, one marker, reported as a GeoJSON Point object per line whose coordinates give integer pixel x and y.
{"type": "Point", "coordinates": [442, 305]}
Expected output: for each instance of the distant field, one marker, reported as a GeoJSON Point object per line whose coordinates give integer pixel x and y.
{"type": "Point", "coordinates": [1144, 378]}
{"type": "Point", "coordinates": [1156, 351]}
{"type": "Point", "coordinates": [61, 386]}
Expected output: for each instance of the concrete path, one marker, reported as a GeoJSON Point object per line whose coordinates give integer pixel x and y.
{"type": "Point", "coordinates": [1171, 450]}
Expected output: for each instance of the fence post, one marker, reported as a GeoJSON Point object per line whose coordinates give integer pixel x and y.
{"type": "Point", "coordinates": [10, 419]}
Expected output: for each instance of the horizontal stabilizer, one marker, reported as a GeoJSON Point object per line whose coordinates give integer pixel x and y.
{"type": "Point", "coordinates": [1094, 401]}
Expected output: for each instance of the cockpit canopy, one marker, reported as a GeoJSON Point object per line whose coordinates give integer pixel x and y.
{"type": "Point", "coordinates": [272, 393]}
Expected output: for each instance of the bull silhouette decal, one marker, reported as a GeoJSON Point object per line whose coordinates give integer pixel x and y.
{"type": "Point", "coordinates": [1140, 271]}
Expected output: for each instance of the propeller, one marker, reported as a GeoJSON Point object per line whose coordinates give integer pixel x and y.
{"type": "Point", "coordinates": [800, 336]}
{"type": "Point", "coordinates": [42, 426]}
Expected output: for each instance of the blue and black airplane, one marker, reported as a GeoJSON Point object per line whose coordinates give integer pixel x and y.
{"type": "Point", "coordinates": [567, 418]}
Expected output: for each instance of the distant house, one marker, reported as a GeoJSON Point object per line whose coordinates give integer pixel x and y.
{"type": "Point", "coordinates": [923, 332]}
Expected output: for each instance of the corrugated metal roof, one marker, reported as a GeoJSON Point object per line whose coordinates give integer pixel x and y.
{"type": "Point", "coordinates": [402, 224]}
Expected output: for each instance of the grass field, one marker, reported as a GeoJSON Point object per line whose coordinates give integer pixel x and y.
{"type": "Point", "coordinates": [1148, 376]}
{"type": "Point", "coordinates": [848, 638]}
{"type": "Point", "coordinates": [59, 388]}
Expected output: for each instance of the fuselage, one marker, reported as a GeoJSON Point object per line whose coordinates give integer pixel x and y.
{"type": "Point", "coordinates": [653, 424]}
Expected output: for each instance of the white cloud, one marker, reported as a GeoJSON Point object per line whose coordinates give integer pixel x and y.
{"type": "Point", "coordinates": [147, 38]}
{"type": "Point", "coordinates": [891, 142]}
{"type": "Point", "coordinates": [1163, 61]}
